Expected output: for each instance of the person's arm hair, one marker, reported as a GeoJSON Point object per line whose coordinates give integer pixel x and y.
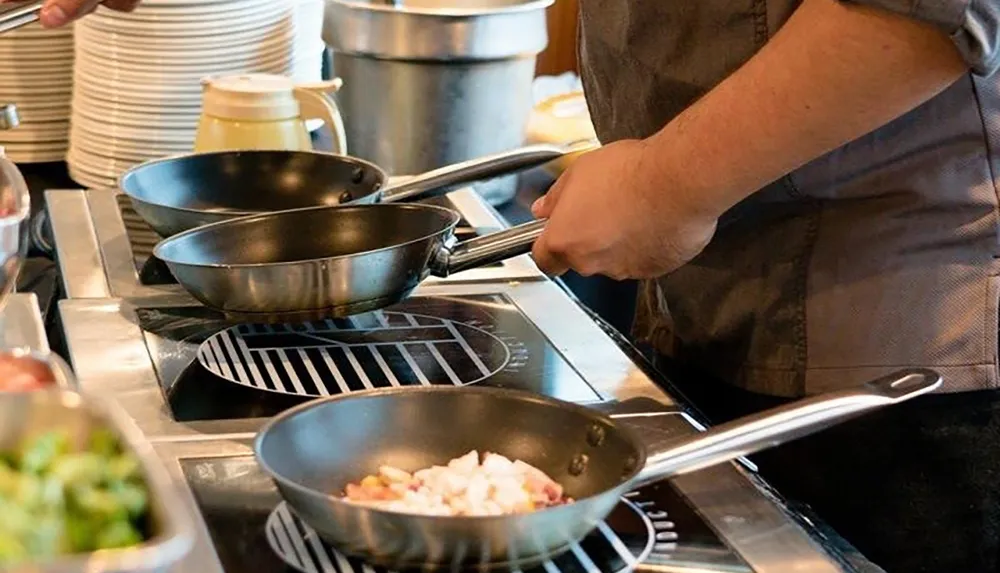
{"type": "Point", "coordinates": [834, 72]}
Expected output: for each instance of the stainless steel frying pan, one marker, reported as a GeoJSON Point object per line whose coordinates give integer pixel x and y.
{"type": "Point", "coordinates": [306, 264]}
{"type": "Point", "coordinates": [314, 450]}
{"type": "Point", "coordinates": [178, 193]}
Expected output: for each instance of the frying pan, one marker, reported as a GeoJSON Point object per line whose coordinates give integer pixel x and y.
{"type": "Point", "coordinates": [322, 262]}
{"type": "Point", "coordinates": [182, 192]}
{"type": "Point", "coordinates": [312, 452]}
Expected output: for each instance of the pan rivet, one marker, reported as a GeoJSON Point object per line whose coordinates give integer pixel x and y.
{"type": "Point", "coordinates": [358, 175]}
{"type": "Point", "coordinates": [578, 465]}
{"type": "Point", "coordinates": [596, 435]}
{"type": "Point", "coordinates": [345, 197]}
{"type": "Point", "coordinates": [630, 465]}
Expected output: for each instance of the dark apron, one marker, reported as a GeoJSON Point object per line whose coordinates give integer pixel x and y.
{"type": "Point", "coordinates": [880, 255]}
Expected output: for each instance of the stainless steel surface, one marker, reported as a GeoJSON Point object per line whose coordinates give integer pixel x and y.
{"type": "Point", "coordinates": [82, 268]}
{"type": "Point", "coordinates": [431, 83]}
{"type": "Point", "coordinates": [175, 194]}
{"type": "Point", "coordinates": [26, 413]}
{"type": "Point", "coordinates": [595, 459]}
{"type": "Point", "coordinates": [21, 324]}
{"type": "Point", "coordinates": [794, 420]}
{"type": "Point", "coordinates": [98, 260]}
{"type": "Point", "coordinates": [8, 117]}
{"type": "Point", "coordinates": [111, 355]}
{"type": "Point", "coordinates": [15, 220]}
{"type": "Point", "coordinates": [17, 15]}
{"type": "Point", "coordinates": [325, 262]}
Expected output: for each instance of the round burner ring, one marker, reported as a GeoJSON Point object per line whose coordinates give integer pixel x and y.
{"type": "Point", "coordinates": [301, 548]}
{"type": "Point", "coordinates": [316, 359]}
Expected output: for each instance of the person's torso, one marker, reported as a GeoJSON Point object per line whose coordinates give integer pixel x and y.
{"type": "Point", "coordinates": [879, 255]}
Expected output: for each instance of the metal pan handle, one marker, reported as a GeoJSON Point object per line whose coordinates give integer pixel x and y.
{"type": "Point", "coordinates": [19, 15]}
{"type": "Point", "coordinates": [486, 250]}
{"type": "Point", "coordinates": [437, 182]}
{"type": "Point", "coordinates": [776, 426]}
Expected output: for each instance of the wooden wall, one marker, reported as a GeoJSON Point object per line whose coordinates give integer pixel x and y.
{"type": "Point", "coordinates": [560, 56]}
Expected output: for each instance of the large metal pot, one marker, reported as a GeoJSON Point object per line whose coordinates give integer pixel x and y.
{"type": "Point", "coordinates": [429, 83]}
{"type": "Point", "coordinates": [15, 213]}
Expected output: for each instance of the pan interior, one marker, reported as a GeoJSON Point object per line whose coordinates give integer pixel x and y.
{"type": "Point", "coordinates": [326, 446]}
{"type": "Point", "coordinates": [307, 235]}
{"type": "Point", "coordinates": [252, 181]}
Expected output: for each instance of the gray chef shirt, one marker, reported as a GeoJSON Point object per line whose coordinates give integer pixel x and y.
{"type": "Point", "coordinates": [879, 255]}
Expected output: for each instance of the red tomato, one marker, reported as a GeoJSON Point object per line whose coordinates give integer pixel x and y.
{"type": "Point", "coordinates": [23, 373]}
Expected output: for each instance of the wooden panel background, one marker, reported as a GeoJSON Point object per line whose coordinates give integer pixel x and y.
{"type": "Point", "coordinates": [560, 55]}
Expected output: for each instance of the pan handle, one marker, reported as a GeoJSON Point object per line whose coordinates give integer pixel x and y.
{"type": "Point", "coordinates": [436, 182]}
{"type": "Point", "coordinates": [776, 426]}
{"type": "Point", "coordinates": [486, 250]}
{"type": "Point", "coordinates": [19, 15]}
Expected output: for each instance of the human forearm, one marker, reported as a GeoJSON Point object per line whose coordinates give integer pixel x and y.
{"type": "Point", "coordinates": [833, 73]}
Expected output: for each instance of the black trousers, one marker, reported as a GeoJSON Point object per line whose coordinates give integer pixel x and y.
{"type": "Point", "coordinates": [915, 487]}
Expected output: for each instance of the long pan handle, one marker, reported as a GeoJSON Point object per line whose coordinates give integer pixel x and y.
{"type": "Point", "coordinates": [438, 181]}
{"type": "Point", "coordinates": [19, 15]}
{"type": "Point", "coordinates": [486, 250]}
{"type": "Point", "coordinates": [776, 426]}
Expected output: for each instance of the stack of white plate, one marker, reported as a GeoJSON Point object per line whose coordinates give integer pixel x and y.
{"type": "Point", "coordinates": [137, 79]}
{"type": "Point", "coordinates": [36, 75]}
{"type": "Point", "coordinates": [307, 67]}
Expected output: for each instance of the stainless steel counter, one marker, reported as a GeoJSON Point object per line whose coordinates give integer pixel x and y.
{"type": "Point", "coordinates": [21, 324]}
{"type": "Point", "coordinates": [113, 354]}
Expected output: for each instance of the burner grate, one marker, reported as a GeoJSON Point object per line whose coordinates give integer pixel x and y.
{"type": "Point", "coordinates": [376, 350]}
{"type": "Point", "coordinates": [620, 543]}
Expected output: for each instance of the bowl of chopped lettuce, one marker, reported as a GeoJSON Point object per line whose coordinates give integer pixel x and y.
{"type": "Point", "coordinates": [81, 490]}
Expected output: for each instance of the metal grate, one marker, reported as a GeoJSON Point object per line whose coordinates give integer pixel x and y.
{"type": "Point", "coordinates": [335, 357]}
{"type": "Point", "coordinates": [619, 544]}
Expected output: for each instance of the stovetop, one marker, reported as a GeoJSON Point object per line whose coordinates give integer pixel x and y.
{"type": "Point", "coordinates": [152, 271]}
{"type": "Point", "coordinates": [251, 529]}
{"type": "Point", "coordinates": [210, 369]}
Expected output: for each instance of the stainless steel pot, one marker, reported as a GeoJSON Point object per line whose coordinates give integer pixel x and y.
{"type": "Point", "coordinates": [428, 83]}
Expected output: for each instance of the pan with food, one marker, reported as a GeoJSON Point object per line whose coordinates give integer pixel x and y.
{"type": "Point", "coordinates": [370, 471]}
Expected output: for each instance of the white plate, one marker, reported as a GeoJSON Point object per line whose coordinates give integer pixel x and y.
{"type": "Point", "coordinates": [50, 53]}
{"type": "Point", "coordinates": [275, 17]}
{"type": "Point", "coordinates": [140, 136]}
{"type": "Point", "coordinates": [127, 119]}
{"type": "Point", "coordinates": [18, 93]}
{"type": "Point", "coordinates": [262, 14]}
{"type": "Point", "coordinates": [168, 78]}
{"type": "Point", "coordinates": [200, 10]}
{"type": "Point", "coordinates": [184, 56]}
{"type": "Point", "coordinates": [29, 116]}
{"type": "Point", "coordinates": [35, 155]}
{"type": "Point", "coordinates": [89, 181]}
{"type": "Point", "coordinates": [19, 67]}
{"type": "Point", "coordinates": [174, 111]}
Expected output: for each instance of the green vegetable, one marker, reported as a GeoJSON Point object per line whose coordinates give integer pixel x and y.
{"type": "Point", "coordinates": [54, 500]}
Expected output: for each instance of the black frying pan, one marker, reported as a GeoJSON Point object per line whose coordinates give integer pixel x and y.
{"type": "Point", "coordinates": [182, 192]}
{"type": "Point", "coordinates": [314, 450]}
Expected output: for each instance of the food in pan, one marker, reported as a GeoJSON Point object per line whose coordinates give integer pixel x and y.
{"type": "Point", "coordinates": [466, 486]}
{"type": "Point", "coordinates": [56, 499]}
{"type": "Point", "coordinates": [23, 373]}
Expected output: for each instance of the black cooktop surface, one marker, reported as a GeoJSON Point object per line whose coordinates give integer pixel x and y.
{"type": "Point", "coordinates": [211, 370]}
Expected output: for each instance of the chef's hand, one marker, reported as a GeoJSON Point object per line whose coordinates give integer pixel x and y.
{"type": "Point", "coordinates": [613, 213]}
{"type": "Point", "coordinates": [57, 13]}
